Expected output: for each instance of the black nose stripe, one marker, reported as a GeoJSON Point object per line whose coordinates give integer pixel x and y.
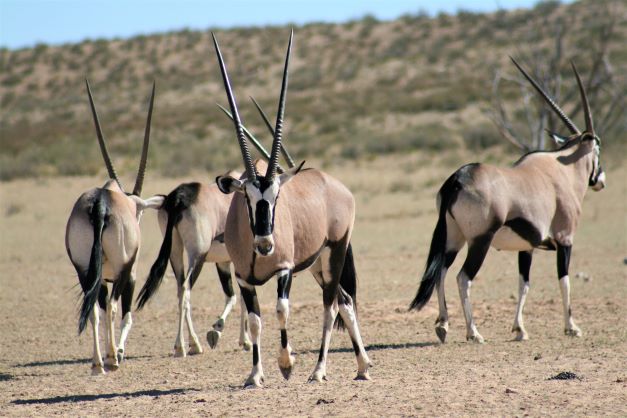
{"type": "Point", "coordinates": [263, 222]}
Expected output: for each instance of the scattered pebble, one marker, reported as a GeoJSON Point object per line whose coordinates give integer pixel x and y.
{"type": "Point", "coordinates": [324, 401]}
{"type": "Point", "coordinates": [584, 276]}
{"type": "Point", "coordinates": [200, 400]}
{"type": "Point", "coordinates": [508, 390]}
{"type": "Point", "coordinates": [537, 356]}
{"type": "Point", "coordinates": [565, 376]}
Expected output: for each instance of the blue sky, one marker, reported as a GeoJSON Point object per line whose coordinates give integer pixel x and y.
{"type": "Point", "coordinates": [27, 22]}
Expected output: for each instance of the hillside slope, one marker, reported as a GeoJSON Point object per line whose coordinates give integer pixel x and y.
{"type": "Point", "coordinates": [356, 89]}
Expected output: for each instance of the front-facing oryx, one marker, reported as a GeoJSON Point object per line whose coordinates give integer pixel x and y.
{"type": "Point", "coordinates": [102, 240]}
{"type": "Point", "coordinates": [536, 203]}
{"type": "Point", "coordinates": [281, 224]}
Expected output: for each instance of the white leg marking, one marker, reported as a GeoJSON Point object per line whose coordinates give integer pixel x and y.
{"type": "Point", "coordinates": [125, 327]}
{"type": "Point", "coordinates": [97, 367]}
{"type": "Point", "coordinates": [194, 344]}
{"type": "Point", "coordinates": [255, 379]}
{"type": "Point", "coordinates": [179, 344]}
{"type": "Point", "coordinates": [111, 359]}
{"type": "Point", "coordinates": [244, 339]}
{"type": "Point", "coordinates": [464, 284]}
{"type": "Point", "coordinates": [286, 359]}
{"type": "Point", "coordinates": [320, 372]}
{"type": "Point", "coordinates": [518, 327]}
{"type": "Point", "coordinates": [441, 324]}
{"type": "Point", "coordinates": [363, 362]}
{"type": "Point", "coordinates": [569, 325]}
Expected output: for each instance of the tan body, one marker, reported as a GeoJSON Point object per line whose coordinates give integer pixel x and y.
{"type": "Point", "coordinates": [200, 211]}
{"type": "Point", "coordinates": [536, 203]}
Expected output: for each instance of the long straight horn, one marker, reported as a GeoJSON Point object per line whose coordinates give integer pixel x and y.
{"type": "Point", "coordinates": [101, 141]}
{"type": "Point", "coordinates": [278, 129]}
{"type": "Point", "coordinates": [584, 100]}
{"type": "Point", "coordinates": [569, 123]}
{"type": "Point", "coordinates": [248, 162]}
{"type": "Point", "coordinates": [286, 155]}
{"type": "Point", "coordinates": [139, 181]}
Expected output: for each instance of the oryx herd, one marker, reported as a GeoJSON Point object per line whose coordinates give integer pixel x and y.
{"type": "Point", "coordinates": [271, 221]}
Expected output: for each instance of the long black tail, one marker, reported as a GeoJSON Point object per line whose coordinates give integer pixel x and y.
{"type": "Point", "coordinates": [175, 203]}
{"type": "Point", "coordinates": [92, 281]}
{"type": "Point", "coordinates": [436, 261]}
{"type": "Point", "coordinates": [348, 284]}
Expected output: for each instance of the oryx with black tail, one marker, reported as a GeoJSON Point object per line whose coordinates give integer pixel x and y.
{"type": "Point", "coordinates": [192, 220]}
{"type": "Point", "coordinates": [102, 240]}
{"type": "Point", "coordinates": [536, 203]}
{"type": "Point", "coordinates": [282, 224]}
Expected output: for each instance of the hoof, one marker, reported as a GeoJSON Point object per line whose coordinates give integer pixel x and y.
{"type": "Point", "coordinates": [521, 336]}
{"type": "Point", "coordinates": [195, 349]}
{"type": "Point", "coordinates": [362, 376]}
{"type": "Point", "coordinates": [179, 352]}
{"type": "Point", "coordinates": [120, 355]}
{"type": "Point", "coordinates": [573, 332]}
{"type": "Point", "coordinates": [97, 370]}
{"type": "Point", "coordinates": [441, 331]}
{"type": "Point", "coordinates": [475, 339]}
{"type": "Point", "coordinates": [112, 367]}
{"type": "Point", "coordinates": [286, 372]}
{"type": "Point", "coordinates": [246, 345]}
{"type": "Point", "coordinates": [213, 337]}
{"type": "Point", "coordinates": [254, 382]}
{"type": "Point", "coordinates": [111, 363]}
{"type": "Point", "coordinates": [219, 325]}
{"type": "Point", "coordinates": [317, 378]}
{"type": "Point", "coordinates": [286, 365]}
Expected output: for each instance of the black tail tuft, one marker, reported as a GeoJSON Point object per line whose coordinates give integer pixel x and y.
{"type": "Point", "coordinates": [175, 203]}
{"type": "Point", "coordinates": [348, 284]}
{"type": "Point", "coordinates": [436, 261]}
{"type": "Point", "coordinates": [93, 279]}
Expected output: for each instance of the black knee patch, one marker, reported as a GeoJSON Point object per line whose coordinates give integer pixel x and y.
{"type": "Point", "coordinates": [284, 338]}
{"type": "Point", "coordinates": [255, 354]}
{"type": "Point", "coordinates": [225, 280]}
{"type": "Point", "coordinates": [563, 260]}
{"type": "Point", "coordinates": [524, 264]}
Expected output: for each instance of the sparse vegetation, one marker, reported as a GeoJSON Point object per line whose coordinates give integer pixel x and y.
{"type": "Point", "coordinates": [431, 76]}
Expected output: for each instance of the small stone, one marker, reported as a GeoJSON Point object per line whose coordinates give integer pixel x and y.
{"type": "Point", "coordinates": [565, 376]}
{"type": "Point", "coordinates": [324, 401]}
{"type": "Point", "coordinates": [200, 400]}
{"type": "Point", "coordinates": [537, 356]}
{"type": "Point", "coordinates": [508, 390]}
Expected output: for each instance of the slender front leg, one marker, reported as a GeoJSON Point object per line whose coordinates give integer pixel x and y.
{"type": "Point", "coordinates": [249, 294]}
{"type": "Point", "coordinates": [563, 261]}
{"type": "Point", "coordinates": [127, 318]}
{"type": "Point", "coordinates": [179, 344]}
{"type": "Point", "coordinates": [441, 324]}
{"type": "Point", "coordinates": [97, 367]}
{"type": "Point", "coordinates": [524, 266]}
{"type": "Point", "coordinates": [244, 334]}
{"type": "Point", "coordinates": [224, 273]}
{"type": "Point", "coordinates": [286, 359]}
{"type": "Point", "coordinates": [330, 312]}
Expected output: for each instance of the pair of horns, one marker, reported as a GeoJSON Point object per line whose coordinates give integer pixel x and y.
{"type": "Point", "coordinates": [139, 181]}
{"type": "Point", "coordinates": [239, 129]}
{"type": "Point", "coordinates": [584, 98]}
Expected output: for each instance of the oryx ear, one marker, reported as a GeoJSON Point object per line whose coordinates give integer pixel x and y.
{"type": "Point", "coordinates": [229, 184]}
{"type": "Point", "coordinates": [557, 138]}
{"type": "Point", "coordinates": [287, 175]}
{"type": "Point", "coordinates": [155, 202]}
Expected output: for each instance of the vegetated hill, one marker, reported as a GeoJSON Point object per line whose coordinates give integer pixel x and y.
{"type": "Point", "coordinates": [356, 89]}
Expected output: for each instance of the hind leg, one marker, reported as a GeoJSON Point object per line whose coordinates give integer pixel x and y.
{"type": "Point", "coordinates": [127, 317]}
{"type": "Point", "coordinates": [331, 309]}
{"type": "Point", "coordinates": [563, 262]}
{"type": "Point", "coordinates": [111, 358]}
{"type": "Point", "coordinates": [224, 273]}
{"type": "Point", "coordinates": [524, 265]}
{"type": "Point", "coordinates": [477, 251]}
{"type": "Point", "coordinates": [97, 366]}
{"type": "Point", "coordinates": [185, 309]}
{"type": "Point", "coordinates": [347, 311]}
{"type": "Point", "coordinates": [454, 242]}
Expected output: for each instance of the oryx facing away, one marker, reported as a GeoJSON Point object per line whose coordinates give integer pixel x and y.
{"type": "Point", "coordinates": [281, 224]}
{"type": "Point", "coordinates": [536, 203]}
{"type": "Point", "coordinates": [192, 220]}
{"type": "Point", "coordinates": [102, 240]}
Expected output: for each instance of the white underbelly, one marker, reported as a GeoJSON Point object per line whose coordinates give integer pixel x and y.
{"type": "Point", "coordinates": [217, 253]}
{"type": "Point", "coordinates": [508, 240]}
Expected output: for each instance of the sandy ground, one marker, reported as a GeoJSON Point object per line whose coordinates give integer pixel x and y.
{"type": "Point", "coordinates": [45, 367]}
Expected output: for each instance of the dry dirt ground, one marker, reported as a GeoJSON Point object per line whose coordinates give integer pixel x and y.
{"type": "Point", "coordinates": [45, 366]}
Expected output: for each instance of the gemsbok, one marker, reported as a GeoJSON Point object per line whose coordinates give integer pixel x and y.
{"type": "Point", "coordinates": [308, 227]}
{"type": "Point", "coordinates": [536, 203]}
{"type": "Point", "coordinates": [192, 219]}
{"type": "Point", "coordinates": [102, 240]}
